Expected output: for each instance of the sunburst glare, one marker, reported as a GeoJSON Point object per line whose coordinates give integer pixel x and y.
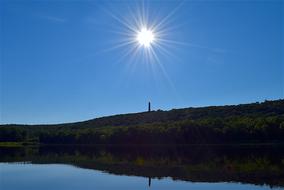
{"type": "Point", "coordinates": [144, 32]}
{"type": "Point", "coordinates": [145, 37]}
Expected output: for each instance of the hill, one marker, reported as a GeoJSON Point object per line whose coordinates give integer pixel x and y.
{"type": "Point", "coordinates": [245, 123]}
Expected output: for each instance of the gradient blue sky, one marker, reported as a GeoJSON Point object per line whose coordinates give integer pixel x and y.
{"type": "Point", "coordinates": [58, 63]}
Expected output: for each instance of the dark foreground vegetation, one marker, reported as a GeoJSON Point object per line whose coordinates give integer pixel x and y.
{"type": "Point", "coordinates": [247, 123]}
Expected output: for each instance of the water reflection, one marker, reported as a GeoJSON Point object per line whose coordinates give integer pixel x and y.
{"type": "Point", "coordinates": [246, 164]}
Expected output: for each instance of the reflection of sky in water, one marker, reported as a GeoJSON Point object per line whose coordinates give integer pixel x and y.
{"type": "Point", "coordinates": [60, 177]}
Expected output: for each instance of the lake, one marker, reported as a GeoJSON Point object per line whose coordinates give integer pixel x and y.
{"type": "Point", "coordinates": [142, 167]}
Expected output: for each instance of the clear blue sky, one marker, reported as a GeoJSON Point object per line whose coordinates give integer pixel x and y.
{"type": "Point", "coordinates": [58, 61]}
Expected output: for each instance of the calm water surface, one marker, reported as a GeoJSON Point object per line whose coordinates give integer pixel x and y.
{"type": "Point", "coordinates": [175, 168]}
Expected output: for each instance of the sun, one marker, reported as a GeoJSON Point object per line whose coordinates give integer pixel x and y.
{"type": "Point", "coordinates": [145, 37]}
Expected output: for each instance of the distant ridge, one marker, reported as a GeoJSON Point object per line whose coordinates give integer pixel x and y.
{"type": "Point", "coordinates": [275, 106]}
{"type": "Point", "coordinates": [244, 123]}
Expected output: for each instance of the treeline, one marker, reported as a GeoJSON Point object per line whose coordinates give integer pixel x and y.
{"type": "Point", "coordinates": [247, 123]}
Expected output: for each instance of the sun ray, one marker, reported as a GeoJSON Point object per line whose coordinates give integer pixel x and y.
{"type": "Point", "coordinates": [121, 21]}
{"type": "Point", "coordinates": [145, 39]}
{"type": "Point", "coordinates": [165, 19]}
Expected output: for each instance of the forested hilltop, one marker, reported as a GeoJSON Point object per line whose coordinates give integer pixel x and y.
{"type": "Point", "coordinates": [245, 123]}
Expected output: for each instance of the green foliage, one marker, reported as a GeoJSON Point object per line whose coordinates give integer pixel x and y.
{"type": "Point", "coordinates": [12, 134]}
{"type": "Point", "coordinates": [248, 123]}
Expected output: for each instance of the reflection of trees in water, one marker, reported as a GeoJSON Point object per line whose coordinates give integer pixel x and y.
{"type": "Point", "coordinates": [247, 164]}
